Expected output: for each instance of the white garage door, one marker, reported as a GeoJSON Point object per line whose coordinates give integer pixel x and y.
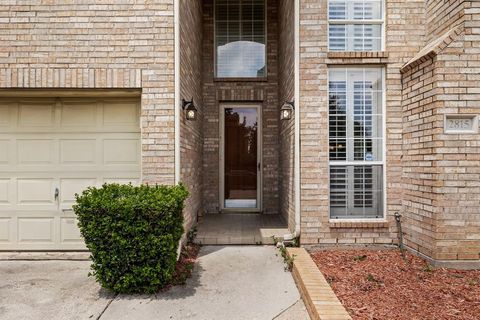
{"type": "Point", "coordinates": [51, 149]}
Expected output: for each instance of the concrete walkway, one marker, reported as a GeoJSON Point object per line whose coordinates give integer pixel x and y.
{"type": "Point", "coordinates": [232, 283]}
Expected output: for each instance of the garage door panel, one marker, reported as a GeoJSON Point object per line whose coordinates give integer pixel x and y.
{"type": "Point", "coordinates": [35, 191]}
{"type": "Point", "coordinates": [5, 227]}
{"type": "Point", "coordinates": [36, 115]}
{"type": "Point", "coordinates": [121, 151]}
{"type": "Point", "coordinates": [121, 114]}
{"type": "Point", "coordinates": [70, 187]}
{"type": "Point", "coordinates": [7, 113]}
{"type": "Point", "coordinates": [39, 229]}
{"type": "Point", "coordinates": [69, 144]}
{"type": "Point", "coordinates": [5, 153]}
{"type": "Point", "coordinates": [78, 151]}
{"type": "Point", "coordinates": [80, 114]}
{"type": "Point", "coordinates": [36, 151]}
{"type": "Point", "coordinates": [5, 192]}
{"type": "Point", "coordinates": [69, 231]}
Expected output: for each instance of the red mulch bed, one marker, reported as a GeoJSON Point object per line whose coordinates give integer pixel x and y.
{"type": "Point", "coordinates": [184, 267]}
{"type": "Point", "coordinates": [380, 284]}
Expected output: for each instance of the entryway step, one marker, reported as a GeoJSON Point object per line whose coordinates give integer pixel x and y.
{"type": "Point", "coordinates": [241, 229]}
{"type": "Point", "coordinates": [247, 240]}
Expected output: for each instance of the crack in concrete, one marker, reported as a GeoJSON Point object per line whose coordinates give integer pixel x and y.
{"type": "Point", "coordinates": [106, 307]}
{"type": "Point", "coordinates": [285, 310]}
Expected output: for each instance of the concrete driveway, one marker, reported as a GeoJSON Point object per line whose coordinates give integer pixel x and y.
{"type": "Point", "coordinates": [235, 282]}
{"type": "Point", "coordinates": [49, 290]}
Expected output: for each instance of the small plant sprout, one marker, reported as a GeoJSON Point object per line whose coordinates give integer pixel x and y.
{"type": "Point", "coordinates": [360, 258]}
{"type": "Point", "coordinates": [286, 258]}
{"type": "Point", "coordinates": [192, 234]}
{"type": "Point", "coordinates": [428, 268]}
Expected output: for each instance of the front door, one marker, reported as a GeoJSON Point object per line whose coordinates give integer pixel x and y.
{"type": "Point", "coordinates": [240, 160]}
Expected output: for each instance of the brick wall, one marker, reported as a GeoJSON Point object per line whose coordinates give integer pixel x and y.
{"type": "Point", "coordinates": [404, 38]}
{"type": "Point", "coordinates": [441, 171]}
{"type": "Point", "coordinates": [264, 92]}
{"type": "Point", "coordinates": [191, 132]}
{"type": "Point", "coordinates": [442, 15]}
{"type": "Point", "coordinates": [107, 45]}
{"type": "Point", "coordinates": [458, 156]}
{"type": "Point", "coordinates": [286, 92]}
{"type": "Point", "coordinates": [420, 167]}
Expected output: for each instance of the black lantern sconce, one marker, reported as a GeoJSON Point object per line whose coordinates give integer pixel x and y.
{"type": "Point", "coordinates": [190, 110]}
{"type": "Point", "coordinates": [286, 112]}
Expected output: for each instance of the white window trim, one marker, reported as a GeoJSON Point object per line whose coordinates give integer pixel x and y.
{"type": "Point", "coordinates": [384, 152]}
{"type": "Point", "coordinates": [381, 22]}
{"type": "Point", "coordinates": [215, 44]}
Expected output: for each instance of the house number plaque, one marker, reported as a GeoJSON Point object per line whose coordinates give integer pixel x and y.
{"type": "Point", "coordinates": [456, 124]}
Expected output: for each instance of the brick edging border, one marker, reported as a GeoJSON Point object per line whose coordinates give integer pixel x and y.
{"type": "Point", "coordinates": [318, 296]}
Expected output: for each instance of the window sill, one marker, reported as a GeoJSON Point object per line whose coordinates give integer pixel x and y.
{"type": "Point", "coordinates": [260, 79]}
{"type": "Point", "coordinates": [358, 223]}
{"type": "Point", "coordinates": [357, 55]}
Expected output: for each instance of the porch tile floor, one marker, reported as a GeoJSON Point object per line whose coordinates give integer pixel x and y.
{"type": "Point", "coordinates": [240, 229]}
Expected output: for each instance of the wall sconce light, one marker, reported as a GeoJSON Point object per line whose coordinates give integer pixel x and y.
{"type": "Point", "coordinates": [190, 110]}
{"type": "Point", "coordinates": [286, 112]}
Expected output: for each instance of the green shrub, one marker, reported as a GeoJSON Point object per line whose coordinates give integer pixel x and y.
{"type": "Point", "coordinates": [132, 233]}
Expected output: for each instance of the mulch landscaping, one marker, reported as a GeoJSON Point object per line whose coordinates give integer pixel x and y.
{"type": "Point", "coordinates": [381, 284]}
{"type": "Point", "coordinates": [184, 266]}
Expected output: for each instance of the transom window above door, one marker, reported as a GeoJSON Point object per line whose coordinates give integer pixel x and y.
{"type": "Point", "coordinates": [355, 25]}
{"type": "Point", "coordinates": [240, 39]}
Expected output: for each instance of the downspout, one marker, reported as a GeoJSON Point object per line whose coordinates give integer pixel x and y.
{"type": "Point", "coordinates": [297, 119]}
{"type": "Point", "coordinates": [176, 19]}
{"type": "Point", "coordinates": [296, 165]}
{"type": "Point", "coordinates": [176, 107]}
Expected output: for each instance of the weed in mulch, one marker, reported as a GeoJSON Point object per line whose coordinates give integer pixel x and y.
{"type": "Point", "coordinates": [330, 279]}
{"type": "Point", "coordinates": [381, 284]}
{"type": "Point", "coordinates": [360, 258]}
{"type": "Point", "coordinates": [371, 278]}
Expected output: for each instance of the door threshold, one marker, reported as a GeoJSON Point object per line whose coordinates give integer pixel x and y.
{"type": "Point", "coordinates": [235, 211]}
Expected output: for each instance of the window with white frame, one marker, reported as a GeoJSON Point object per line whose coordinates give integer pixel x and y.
{"type": "Point", "coordinates": [356, 137]}
{"type": "Point", "coordinates": [355, 25]}
{"type": "Point", "coordinates": [240, 50]}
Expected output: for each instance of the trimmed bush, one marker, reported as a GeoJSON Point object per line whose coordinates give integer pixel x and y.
{"type": "Point", "coordinates": [132, 233]}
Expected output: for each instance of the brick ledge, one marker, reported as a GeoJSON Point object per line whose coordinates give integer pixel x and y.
{"type": "Point", "coordinates": [357, 55]}
{"type": "Point", "coordinates": [319, 298]}
{"type": "Point", "coordinates": [358, 224]}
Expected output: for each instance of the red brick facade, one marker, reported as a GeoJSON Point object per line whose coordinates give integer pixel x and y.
{"type": "Point", "coordinates": [441, 171]}
{"type": "Point", "coordinates": [432, 66]}
{"type": "Point", "coordinates": [402, 41]}
{"type": "Point", "coordinates": [99, 46]}
{"type": "Point", "coordinates": [265, 92]}
{"type": "Point", "coordinates": [286, 92]}
{"type": "Point", "coordinates": [191, 132]}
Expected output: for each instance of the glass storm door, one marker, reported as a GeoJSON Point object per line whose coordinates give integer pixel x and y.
{"type": "Point", "coordinates": [240, 157]}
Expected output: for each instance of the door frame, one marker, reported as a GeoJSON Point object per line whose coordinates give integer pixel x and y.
{"type": "Point", "coordinates": [258, 107]}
